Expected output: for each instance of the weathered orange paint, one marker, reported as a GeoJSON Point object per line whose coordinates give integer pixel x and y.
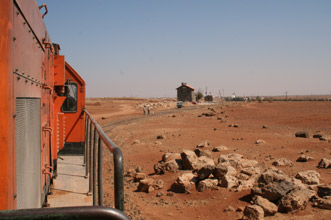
{"type": "Point", "coordinates": [75, 122]}
{"type": "Point", "coordinates": [7, 122]}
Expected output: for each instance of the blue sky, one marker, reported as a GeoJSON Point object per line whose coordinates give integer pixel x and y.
{"type": "Point", "coordinates": [146, 48]}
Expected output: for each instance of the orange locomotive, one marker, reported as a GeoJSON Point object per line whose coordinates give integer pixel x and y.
{"type": "Point", "coordinates": [41, 106]}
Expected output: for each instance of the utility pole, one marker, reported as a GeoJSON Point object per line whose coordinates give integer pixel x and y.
{"type": "Point", "coordinates": [285, 95]}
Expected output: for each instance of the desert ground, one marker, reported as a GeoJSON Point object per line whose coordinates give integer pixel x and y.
{"type": "Point", "coordinates": [259, 131]}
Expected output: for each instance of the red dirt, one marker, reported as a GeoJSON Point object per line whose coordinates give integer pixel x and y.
{"type": "Point", "coordinates": [183, 129]}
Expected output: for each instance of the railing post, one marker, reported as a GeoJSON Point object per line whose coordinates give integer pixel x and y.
{"type": "Point", "coordinates": [118, 179]}
{"type": "Point", "coordinates": [95, 139]}
{"type": "Point", "coordinates": [100, 176]}
{"type": "Point", "coordinates": [86, 146]}
{"type": "Point", "coordinates": [90, 160]}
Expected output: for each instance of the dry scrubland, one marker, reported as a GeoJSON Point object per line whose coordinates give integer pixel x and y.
{"type": "Point", "coordinates": [221, 161]}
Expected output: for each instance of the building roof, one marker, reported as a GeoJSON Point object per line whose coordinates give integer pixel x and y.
{"type": "Point", "coordinates": [184, 84]}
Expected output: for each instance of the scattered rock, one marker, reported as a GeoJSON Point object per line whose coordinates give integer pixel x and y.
{"type": "Point", "coordinates": [139, 169]}
{"type": "Point", "coordinates": [324, 190]}
{"type": "Point", "coordinates": [204, 144]}
{"type": "Point", "coordinates": [200, 153]}
{"type": "Point", "coordinates": [159, 137]}
{"type": "Point", "coordinates": [159, 168]}
{"type": "Point", "coordinates": [189, 160]}
{"type": "Point", "coordinates": [220, 148]}
{"type": "Point", "coordinates": [310, 177]}
{"type": "Point", "coordinates": [130, 173]}
{"type": "Point", "coordinates": [268, 207]}
{"type": "Point", "coordinates": [295, 200]}
{"type": "Point", "coordinates": [259, 141]}
{"type": "Point", "coordinates": [324, 163]}
{"type": "Point", "coordinates": [136, 142]}
{"type": "Point", "coordinates": [264, 126]}
{"type": "Point", "coordinates": [304, 158]}
{"type": "Point", "coordinates": [302, 134]}
{"type": "Point", "coordinates": [228, 181]}
{"type": "Point", "coordinates": [158, 184]}
{"type": "Point", "coordinates": [254, 212]}
{"type": "Point", "coordinates": [235, 125]}
{"type": "Point", "coordinates": [170, 193]}
{"type": "Point", "coordinates": [146, 185]}
{"type": "Point", "coordinates": [171, 156]}
{"type": "Point", "coordinates": [207, 184]}
{"type": "Point", "coordinates": [205, 172]}
{"type": "Point", "coordinates": [229, 209]}
{"type": "Point", "coordinates": [272, 184]}
{"type": "Point", "coordinates": [159, 194]}
{"type": "Point", "coordinates": [221, 170]}
{"type": "Point", "coordinates": [317, 136]}
{"type": "Point", "coordinates": [282, 162]}
{"type": "Point", "coordinates": [204, 161]}
{"type": "Point", "coordinates": [103, 118]}
{"type": "Point", "coordinates": [323, 203]}
{"type": "Point", "coordinates": [173, 165]}
{"type": "Point", "coordinates": [139, 176]}
{"type": "Point", "coordinates": [251, 171]}
{"type": "Point", "coordinates": [184, 183]}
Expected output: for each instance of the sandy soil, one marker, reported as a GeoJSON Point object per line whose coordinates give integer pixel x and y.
{"type": "Point", "coordinates": [136, 134]}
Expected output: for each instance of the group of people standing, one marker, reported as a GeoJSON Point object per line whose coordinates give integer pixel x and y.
{"type": "Point", "coordinates": [148, 110]}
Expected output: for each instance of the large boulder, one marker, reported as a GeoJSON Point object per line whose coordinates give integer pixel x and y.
{"type": "Point", "coordinates": [295, 200]}
{"type": "Point", "coordinates": [204, 161]}
{"type": "Point", "coordinates": [171, 156]}
{"type": "Point", "coordinates": [254, 212]}
{"type": "Point", "coordinates": [273, 184]}
{"type": "Point", "coordinates": [220, 170]}
{"type": "Point", "coordinates": [184, 183]}
{"type": "Point", "coordinates": [324, 163]}
{"type": "Point", "coordinates": [199, 152]}
{"type": "Point", "coordinates": [173, 165]}
{"type": "Point", "coordinates": [268, 207]}
{"type": "Point", "coordinates": [207, 184]}
{"type": "Point", "coordinates": [323, 203]}
{"type": "Point", "coordinates": [205, 172]}
{"type": "Point", "coordinates": [231, 159]}
{"type": "Point", "coordinates": [189, 160]}
{"type": "Point", "coordinates": [310, 177]}
{"type": "Point", "coordinates": [324, 190]}
{"type": "Point", "coordinates": [228, 181]}
{"type": "Point", "coordinates": [282, 162]}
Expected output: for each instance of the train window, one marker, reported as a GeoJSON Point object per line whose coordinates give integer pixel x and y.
{"type": "Point", "coordinates": [70, 103]}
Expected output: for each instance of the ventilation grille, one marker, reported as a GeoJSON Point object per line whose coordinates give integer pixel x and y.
{"type": "Point", "coordinates": [28, 171]}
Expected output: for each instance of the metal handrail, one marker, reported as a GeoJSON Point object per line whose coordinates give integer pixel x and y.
{"type": "Point", "coordinates": [92, 127]}
{"type": "Point", "coordinates": [65, 213]}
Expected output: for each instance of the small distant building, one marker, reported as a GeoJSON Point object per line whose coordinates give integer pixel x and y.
{"type": "Point", "coordinates": [209, 98]}
{"type": "Point", "coordinates": [185, 93]}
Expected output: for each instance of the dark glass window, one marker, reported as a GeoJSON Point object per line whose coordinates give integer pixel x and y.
{"type": "Point", "coordinates": [70, 103]}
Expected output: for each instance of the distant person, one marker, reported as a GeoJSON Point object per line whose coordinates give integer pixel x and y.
{"type": "Point", "coordinates": [144, 110]}
{"type": "Point", "coordinates": [149, 110]}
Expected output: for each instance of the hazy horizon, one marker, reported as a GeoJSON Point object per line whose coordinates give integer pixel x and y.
{"type": "Point", "coordinates": [148, 48]}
